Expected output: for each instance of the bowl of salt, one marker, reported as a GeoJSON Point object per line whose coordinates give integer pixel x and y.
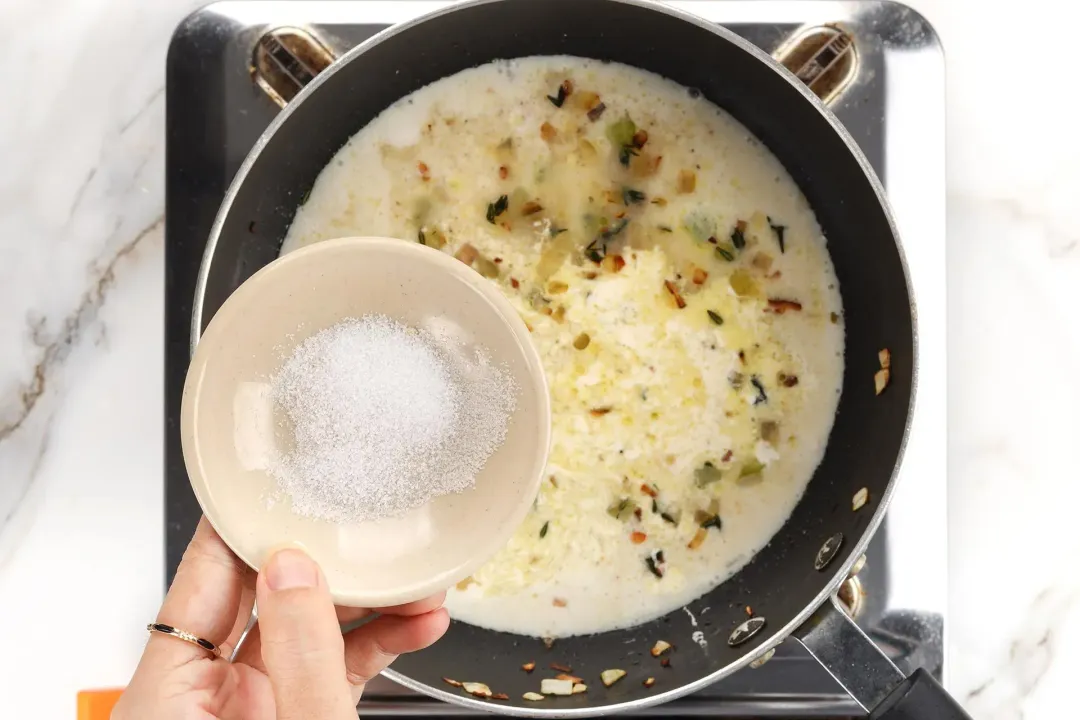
{"type": "Point", "coordinates": [377, 403]}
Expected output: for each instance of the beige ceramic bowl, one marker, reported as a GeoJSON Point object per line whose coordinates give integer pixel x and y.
{"type": "Point", "coordinates": [230, 429]}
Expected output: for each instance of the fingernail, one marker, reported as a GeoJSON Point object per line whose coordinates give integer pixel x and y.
{"type": "Point", "coordinates": [291, 569]}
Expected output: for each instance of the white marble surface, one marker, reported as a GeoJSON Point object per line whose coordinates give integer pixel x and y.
{"type": "Point", "coordinates": [81, 303]}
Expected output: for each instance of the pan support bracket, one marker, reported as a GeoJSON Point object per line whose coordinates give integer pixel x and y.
{"type": "Point", "coordinates": [824, 57]}
{"type": "Point", "coordinates": [850, 656]}
{"type": "Point", "coordinates": [285, 59]}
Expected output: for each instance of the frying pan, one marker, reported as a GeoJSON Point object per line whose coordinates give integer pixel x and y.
{"type": "Point", "coordinates": [791, 584]}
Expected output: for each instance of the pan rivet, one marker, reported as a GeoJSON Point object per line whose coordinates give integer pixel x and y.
{"type": "Point", "coordinates": [828, 551]}
{"type": "Point", "coordinates": [747, 630]}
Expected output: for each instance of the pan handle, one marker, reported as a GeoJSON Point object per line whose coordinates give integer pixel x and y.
{"type": "Point", "coordinates": [868, 675]}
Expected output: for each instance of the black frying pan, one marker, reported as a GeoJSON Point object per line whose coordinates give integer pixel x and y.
{"type": "Point", "coordinates": [790, 583]}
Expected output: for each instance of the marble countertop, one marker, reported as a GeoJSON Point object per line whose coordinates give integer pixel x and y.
{"type": "Point", "coordinates": [81, 325]}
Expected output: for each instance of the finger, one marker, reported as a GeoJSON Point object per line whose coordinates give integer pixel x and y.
{"type": "Point", "coordinates": [204, 600]}
{"type": "Point", "coordinates": [370, 649]}
{"type": "Point", "coordinates": [302, 646]}
{"type": "Point", "coordinates": [243, 615]}
{"type": "Point", "coordinates": [419, 607]}
{"type": "Point", "coordinates": [250, 652]}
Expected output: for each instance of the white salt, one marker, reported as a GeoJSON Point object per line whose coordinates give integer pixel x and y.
{"type": "Point", "coordinates": [384, 418]}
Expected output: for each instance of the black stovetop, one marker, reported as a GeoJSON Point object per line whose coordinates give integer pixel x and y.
{"type": "Point", "coordinates": [214, 115]}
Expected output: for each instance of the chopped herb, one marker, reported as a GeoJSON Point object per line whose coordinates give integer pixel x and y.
{"type": "Point", "coordinates": [625, 135]}
{"type": "Point", "coordinates": [761, 396]}
{"type": "Point", "coordinates": [752, 467]}
{"type": "Point", "coordinates": [544, 530]}
{"type": "Point", "coordinates": [305, 197]}
{"type": "Point", "coordinates": [597, 249]}
{"type": "Point", "coordinates": [560, 96]}
{"type": "Point", "coordinates": [715, 317]}
{"type": "Point", "coordinates": [497, 208]}
{"type": "Point", "coordinates": [778, 230]}
{"type": "Point", "coordinates": [723, 252]}
{"type": "Point", "coordinates": [706, 475]}
{"type": "Point", "coordinates": [659, 556]}
{"type": "Point", "coordinates": [420, 238]}
{"type": "Point", "coordinates": [654, 568]}
{"type": "Point", "coordinates": [555, 231]}
{"type": "Point", "coordinates": [251, 226]}
{"type": "Point", "coordinates": [632, 197]}
{"type": "Point", "coordinates": [735, 379]}
{"type": "Point", "coordinates": [700, 226]}
{"type": "Point", "coordinates": [655, 507]}
{"type": "Point", "coordinates": [669, 518]}
{"type": "Point", "coordinates": [712, 522]}
{"type": "Point", "coordinates": [621, 509]}
{"type": "Point", "coordinates": [596, 112]}
{"type": "Point", "coordinates": [621, 132]}
{"type": "Point", "coordinates": [664, 228]}
{"type": "Point", "coordinates": [738, 238]}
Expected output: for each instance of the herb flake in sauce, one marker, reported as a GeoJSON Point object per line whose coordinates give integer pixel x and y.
{"type": "Point", "coordinates": [497, 208]}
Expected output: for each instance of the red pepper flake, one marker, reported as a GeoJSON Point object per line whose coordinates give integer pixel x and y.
{"type": "Point", "coordinates": [675, 294]}
{"type": "Point", "coordinates": [423, 168]}
{"type": "Point", "coordinates": [504, 172]}
{"type": "Point", "coordinates": [500, 696]}
{"type": "Point", "coordinates": [780, 306]}
{"type": "Point", "coordinates": [553, 481]}
{"type": "Point", "coordinates": [531, 208]}
{"type": "Point", "coordinates": [742, 357]}
{"type": "Point", "coordinates": [640, 138]}
{"type": "Point", "coordinates": [699, 276]}
{"type": "Point", "coordinates": [514, 283]}
{"type": "Point", "coordinates": [637, 537]}
{"type": "Point", "coordinates": [559, 602]}
{"type": "Point", "coordinates": [448, 681]}
{"type": "Point", "coordinates": [637, 513]}
{"type": "Point", "coordinates": [618, 262]}
{"type": "Point", "coordinates": [649, 490]}
{"type": "Point", "coordinates": [497, 261]}
{"type": "Point", "coordinates": [666, 662]}
{"type": "Point", "coordinates": [788, 380]}
{"type": "Point", "coordinates": [561, 668]}
{"type": "Point", "coordinates": [600, 411]}
{"type": "Point", "coordinates": [727, 456]}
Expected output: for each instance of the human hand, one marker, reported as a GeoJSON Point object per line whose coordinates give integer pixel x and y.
{"type": "Point", "coordinates": [295, 664]}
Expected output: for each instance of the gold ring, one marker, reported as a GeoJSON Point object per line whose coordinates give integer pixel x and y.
{"type": "Point", "coordinates": [185, 636]}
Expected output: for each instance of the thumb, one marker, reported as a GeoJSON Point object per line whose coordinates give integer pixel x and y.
{"type": "Point", "coordinates": [302, 646]}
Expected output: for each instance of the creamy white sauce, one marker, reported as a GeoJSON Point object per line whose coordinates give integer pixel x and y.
{"type": "Point", "coordinates": [650, 400]}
